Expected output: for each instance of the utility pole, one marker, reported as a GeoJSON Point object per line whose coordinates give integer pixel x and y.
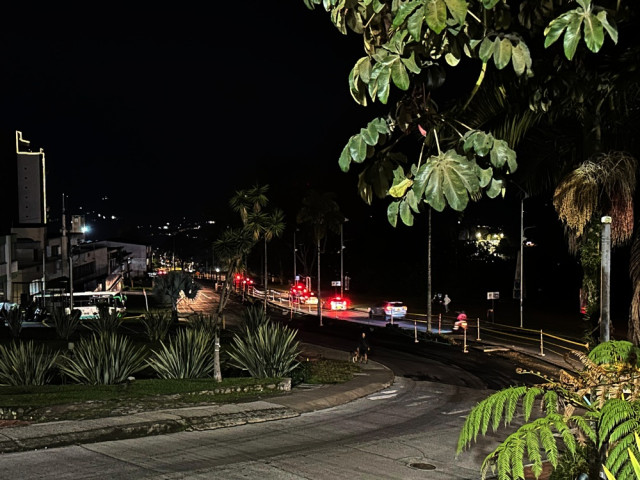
{"type": "Point", "coordinates": [342, 259]}
{"type": "Point", "coordinates": [295, 249]}
{"type": "Point", "coordinates": [605, 276]}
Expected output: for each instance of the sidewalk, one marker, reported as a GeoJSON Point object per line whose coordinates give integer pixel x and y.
{"type": "Point", "coordinates": [301, 399]}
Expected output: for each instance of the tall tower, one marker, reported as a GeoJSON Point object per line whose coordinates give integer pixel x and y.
{"type": "Point", "coordinates": [32, 194]}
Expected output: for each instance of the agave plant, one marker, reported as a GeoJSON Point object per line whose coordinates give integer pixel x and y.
{"type": "Point", "coordinates": [65, 323]}
{"type": "Point", "coordinates": [202, 322]}
{"type": "Point", "coordinates": [254, 316]}
{"type": "Point", "coordinates": [103, 359]}
{"type": "Point", "coordinates": [599, 406]}
{"type": "Point", "coordinates": [14, 318]}
{"type": "Point", "coordinates": [188, 354]}
{"type": "Point", "coordinates": [24, 363]}
{"type": "Point", "coordinates": [156, 325]}
{"type": "Point", "coordinates": [269, 351]}
{"type": "Point", "coordinates": [106, 322]}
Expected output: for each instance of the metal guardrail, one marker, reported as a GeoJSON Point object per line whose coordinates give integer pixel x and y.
{"type": "Point", "coordinates": [489, 332]}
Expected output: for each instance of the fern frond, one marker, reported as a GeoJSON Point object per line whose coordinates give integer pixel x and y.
{"type": "Point", "coordinates": [550, 402]}
{"type": "Point", "coordinates": [482, 414]}
{"type": "Point", "coordinates": [614, 413]}
{"type": "Point", "coordinates": [614, 351]}
{"type": "Point", "coordinates": [534, 437]}
{"type": "Point", "coordinates": [528, 401]}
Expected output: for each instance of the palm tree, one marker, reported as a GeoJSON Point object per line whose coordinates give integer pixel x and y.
{"type": "Point", "coordinates": [272, 226]}
{"type": "Point", "coordinates": [603, 185]}
{"type": "Point", "coordinates": [232, 248]}
{"type": "Point", "coordinates": [172, 286]}
{"type": "Point", "coordinates": [321, 213]}
{"type": "Point", "coordinates": [250, 205]}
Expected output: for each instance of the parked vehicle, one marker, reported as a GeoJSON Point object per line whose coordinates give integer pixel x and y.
{"type": "Point", "coordinates": [389, 309]}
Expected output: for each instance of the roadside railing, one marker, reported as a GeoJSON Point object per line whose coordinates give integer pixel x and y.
{"type": "Point", "coordinates": [539, 340]}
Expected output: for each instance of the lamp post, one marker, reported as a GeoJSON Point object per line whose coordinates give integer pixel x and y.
{"type": "Point", "coordinates": [294, 256]}
{"type": "Point", "coordinates": [342, 259]}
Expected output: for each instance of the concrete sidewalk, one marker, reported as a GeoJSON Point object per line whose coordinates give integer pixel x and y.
{"type": "Point", "coordinates": [301, 399]}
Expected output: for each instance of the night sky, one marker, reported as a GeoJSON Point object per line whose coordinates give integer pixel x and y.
{"type": "Point", "coordinates": [166, 111]}
{"type": "Point", "coordinates": [177, 108]}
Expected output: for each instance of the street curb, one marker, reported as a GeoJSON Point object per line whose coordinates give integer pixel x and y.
{"type": "Point", "coordinates": [58, 434]}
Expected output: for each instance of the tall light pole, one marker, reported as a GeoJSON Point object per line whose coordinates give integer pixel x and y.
{"type": "Point", "coordinates": [295, 249]}
{"type": "Point", "coordinates": [342, 259]}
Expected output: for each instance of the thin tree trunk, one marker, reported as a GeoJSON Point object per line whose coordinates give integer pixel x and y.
{"type": "Point", "coordinates": [265, 275]}
{"type": "Point", "coordinates": [429, 297]}
{"type": "Point", "coordinates": [319, 292]}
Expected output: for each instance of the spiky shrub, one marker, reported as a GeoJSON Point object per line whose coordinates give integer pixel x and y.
{"type": "Point", "coordinates": [65, 323]}
{"type": "Point", "coordinates": [202, 322]}
{"type": "Point", "coordinates": [103, 359]}
{"type": "Point", "coordinates": [254, 316]}
{"type": "Point", "coordinates": [156, 325]}
{"type": "Point", "coordinates": [598, 407]}
{"type": "Point", "coordinates": [106, 321]}
{"type": "Point", "coordinates": [269, 351]}
{"type": "Point", "coordinates": [14, 318]}
{"type": "Point", "coordinates": [187, 354]}
{"type": "Point", "coordinates": [24, 363]}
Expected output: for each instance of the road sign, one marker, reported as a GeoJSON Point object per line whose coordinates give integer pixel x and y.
{"type": "Point", "coordinates": [335, 283]}
{"type": "Point", "coordinates": [493, 295]}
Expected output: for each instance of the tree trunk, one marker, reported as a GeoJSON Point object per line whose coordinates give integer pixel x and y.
{"type": "Point", "coordinates": [266, 290]}
{"type": "Point", "coordinates": [319, 293]}
{"type": "Point", "coordinates": [429, 296]}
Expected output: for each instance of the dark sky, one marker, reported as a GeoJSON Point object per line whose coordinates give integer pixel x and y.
{"type": "Point", "coordinates": [172, 109]}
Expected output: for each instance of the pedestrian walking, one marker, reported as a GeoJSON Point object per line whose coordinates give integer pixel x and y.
{"type": "Point", "coordinates": [370, 311]}
{"type": "Point", "coordinates": [446, 301]}
{"type": "Point", "coordinates": [363, 348]}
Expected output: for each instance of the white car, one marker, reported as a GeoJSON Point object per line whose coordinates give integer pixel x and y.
{"type": "Point", "coordinates": [391, 309]}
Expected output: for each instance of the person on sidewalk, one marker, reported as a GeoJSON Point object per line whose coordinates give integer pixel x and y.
{"type": "Point", "coordinates": [363, 348]}
{"type": "Point", "coordinates": [446, 301]}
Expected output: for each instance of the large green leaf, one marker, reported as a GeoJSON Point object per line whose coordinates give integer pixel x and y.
{"type": "Point", "coordinates": [405, 213]}
{"type": "Point", "coordinates": [447, 178]}
{"type": "Point", "coordinates": [611, 30]}
{"type": "Point", "coordinates": [345, 158]}
{"type": "Point", "coordinates": [458, 9]}
{"type": "Point", "coordinates": [399, 75]}
{"type": "Point", "coordinates": [358, 149]}
{"type": "Point", "coordinates": [502, 53]}
{"type": "Point", "coordinates": [486, 49]}
{"type": "Point", "coordinates": [554, 30]}
{"type": "Point", "coordinates": [519, 58]}
{"type": "Point", "coordinates": [383, 86]}
{"type": "Point", "coordinates": [572, 35]}
{"type": "Point", "coordinates": [392, 213]}
{"type": "Point", "coordinates": [404, 11]}
{"type": "Point", "coordinates": [500, 153]}
{"type": "Point", "coordinates": [436, 15]}
{"type": "Point", "coordinates": [411, 64]}
{"type": "Point", "coordinates": [414, 25]}
{"type": "Point", "coordinates": [593, 32]}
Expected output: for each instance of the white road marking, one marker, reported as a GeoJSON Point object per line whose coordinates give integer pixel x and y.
{"type": "Point", "coordinates": [382, 397]}
{"type": "Point", "coordinates": [456, 412]}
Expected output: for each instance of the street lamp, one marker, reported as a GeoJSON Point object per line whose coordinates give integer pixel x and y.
{"type": "Point", "coordinates": [342, 259]}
